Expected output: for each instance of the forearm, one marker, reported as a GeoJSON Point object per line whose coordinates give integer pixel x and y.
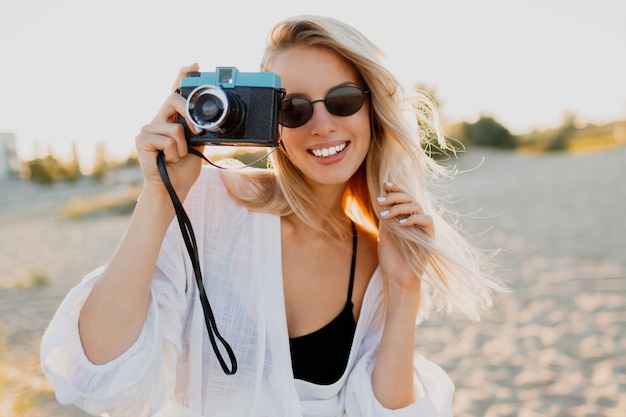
{"type": "Point", "coordinates": [393, 377]}
{"type": "Point", "coordinates": [115, 311]}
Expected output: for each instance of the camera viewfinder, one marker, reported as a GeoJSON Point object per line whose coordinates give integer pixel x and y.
{"type": "Point", "coordinates": [226, 76]}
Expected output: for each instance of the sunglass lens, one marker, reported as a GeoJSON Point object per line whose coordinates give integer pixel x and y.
{"type": "Point", "coordinates": [344, 101]}
{"type": "Point", "coordinates": [295, 112]}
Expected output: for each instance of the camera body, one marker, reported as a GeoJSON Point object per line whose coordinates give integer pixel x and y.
{"type": "Point", "coordinates": [231, 107]}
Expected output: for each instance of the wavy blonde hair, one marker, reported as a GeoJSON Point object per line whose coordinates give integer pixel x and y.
{"type": "Point", "coordinates": [456, 274]}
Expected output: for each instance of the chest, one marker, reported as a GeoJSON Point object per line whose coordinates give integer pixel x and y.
{"type": "Point", "coordinates": [316, 281]}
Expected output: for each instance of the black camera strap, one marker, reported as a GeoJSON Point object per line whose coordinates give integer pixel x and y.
{"type": "Point", "coordinates": [192, 248]}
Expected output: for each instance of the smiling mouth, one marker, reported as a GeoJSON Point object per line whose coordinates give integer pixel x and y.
{"type": "Point", "coordinates": [326, 152]}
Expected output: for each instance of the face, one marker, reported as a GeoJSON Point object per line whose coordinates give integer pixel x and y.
{"type": "Point", "coordinates": [328, 149]}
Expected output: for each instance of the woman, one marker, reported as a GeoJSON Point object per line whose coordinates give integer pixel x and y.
{"type": "Point", "coordinates": [317, 270]}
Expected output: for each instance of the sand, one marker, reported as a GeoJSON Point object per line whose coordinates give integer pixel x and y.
{"type": "Point", "coordinates": [555, 346]}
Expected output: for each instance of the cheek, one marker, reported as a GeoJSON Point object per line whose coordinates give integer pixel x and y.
{"type": "Point", "coordinates": [290, 140]}
{"type": "Point", "coordinates": [362, 126]}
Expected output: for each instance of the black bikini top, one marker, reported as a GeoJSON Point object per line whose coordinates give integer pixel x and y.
{"type": "Point", "coordinates": [321, 357]}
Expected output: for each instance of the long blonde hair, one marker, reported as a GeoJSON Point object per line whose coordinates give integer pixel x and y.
{"type": "Point", "coordinates": [456, 274]}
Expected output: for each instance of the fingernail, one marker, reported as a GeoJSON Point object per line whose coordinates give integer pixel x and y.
{"type": "Point", "coordinates": [402, 221]}
{"type": "Point", "coordinates": [384, 213]}
{"type": "Point", "coordinates": [389, 184]}
{"type": "Point", "coordinates": [381, 198]}
{"type": "Point", "coordinates": [176, 160]}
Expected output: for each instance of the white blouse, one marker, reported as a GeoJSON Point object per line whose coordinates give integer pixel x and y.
{"type": "Point", "coordinates": [172, 366]}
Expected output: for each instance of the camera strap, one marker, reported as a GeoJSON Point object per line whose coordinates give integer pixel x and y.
{"type": "Point", "coordinates": [192, 248]}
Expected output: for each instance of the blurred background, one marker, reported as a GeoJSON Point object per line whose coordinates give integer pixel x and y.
{"type": "Point", "coordinates": [533, 91]}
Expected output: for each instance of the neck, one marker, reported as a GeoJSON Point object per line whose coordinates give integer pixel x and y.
{"type": "Point", "coordinates": [305, 233]}
{"type": "Point", "coordinates": [329, 199]}
{"type": "Point", "coordinates": [329, 216]}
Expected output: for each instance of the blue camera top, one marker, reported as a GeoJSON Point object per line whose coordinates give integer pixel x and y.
{"type": "Point", "coordinates": [230, 77]}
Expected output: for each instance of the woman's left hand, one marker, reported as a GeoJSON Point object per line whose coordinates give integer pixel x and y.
{"type": "Point", "coordinates": [396, 205]}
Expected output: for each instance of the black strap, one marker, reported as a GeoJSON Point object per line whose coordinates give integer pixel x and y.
{"type": "Point", "coordinates": [190, 243]}
{"type": "Point", "coordinates": [353, 265]}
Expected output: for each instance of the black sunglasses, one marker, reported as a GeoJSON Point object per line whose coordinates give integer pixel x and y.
{"type": "Point", "coordinates": [341, 101]}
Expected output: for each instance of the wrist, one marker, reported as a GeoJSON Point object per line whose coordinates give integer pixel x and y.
{"type": "Point", "coordinates": [155, 204]}
{"type": "Point", "coordinates": [403, 301]}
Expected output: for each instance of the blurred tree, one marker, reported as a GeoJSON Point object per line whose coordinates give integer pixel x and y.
{"type": "Point", "coordinates": [569, 121]}
{"type": "Point", "coordinates": [71, 171]}
{"type": "Point", "coordinates": [486, 131]}
{"type": "Point", "coordinates": [46, 170]}
{"type": "Point", "coordinates": [99, 162]}
{"type": "Point", "coordinates": [559, 140]}
{"type": "Point", "coordinates": [131, 161]}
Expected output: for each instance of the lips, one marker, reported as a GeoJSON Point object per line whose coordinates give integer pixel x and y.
{"type": "Point", "coordinates": [330, 151]}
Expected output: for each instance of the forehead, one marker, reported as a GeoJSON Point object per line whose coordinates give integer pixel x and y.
{"type": "Point", "coordinates": [312, 70]}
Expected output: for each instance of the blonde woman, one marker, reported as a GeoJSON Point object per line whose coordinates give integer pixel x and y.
{"type": "Point", "coordinates": [318, 270]}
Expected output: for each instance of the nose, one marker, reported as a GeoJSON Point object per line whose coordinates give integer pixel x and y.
{"type": "Point", "coordinates": [322, 122]}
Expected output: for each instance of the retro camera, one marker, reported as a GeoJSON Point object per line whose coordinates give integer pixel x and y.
{"type": "Point", "coordinates": [232, 107]}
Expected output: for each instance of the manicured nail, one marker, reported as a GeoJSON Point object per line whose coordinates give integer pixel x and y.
{"type": "Point", "coordinates": [402, 221]}
{"type": "Point", "coordinates": [384, 213]}
{"type": "Point", "coordinates": [389, 184]}
{"type": "Point", "coordinates": [381, 198]}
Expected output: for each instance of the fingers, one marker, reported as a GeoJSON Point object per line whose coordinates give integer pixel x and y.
{"type": "Point", "coordinates": [164, 133]}
{"type": "Point", "coordinates": [174, 105]}
{"type": "Point", "coordinates": [163, 136]}
{"type": "Point", "coordinates": [398, 205]}
{"type": "Point", "coordinates": [184, 71]}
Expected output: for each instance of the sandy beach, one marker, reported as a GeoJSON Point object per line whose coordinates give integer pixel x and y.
{"type": "Point", "coordinates": [554, 346]}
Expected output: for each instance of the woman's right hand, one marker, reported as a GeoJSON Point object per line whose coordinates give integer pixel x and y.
{"type": "Point", "coordinates": [164, 133]}
{"type": "Point", "coordinates": [115, 311]}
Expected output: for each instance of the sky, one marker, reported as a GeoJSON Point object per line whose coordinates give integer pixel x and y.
{"type": "Point", "coordinates": [75, 71]}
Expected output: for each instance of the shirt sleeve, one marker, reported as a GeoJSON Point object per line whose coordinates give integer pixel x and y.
{"type": "Point", "coordinates": [141, 379]}
{"type": "Point", "coordinates": [434, 390]}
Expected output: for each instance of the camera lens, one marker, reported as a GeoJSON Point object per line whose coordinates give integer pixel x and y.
{"type": "Point", "coordinates": [207, 109]}
{"type": "Point", "coordinates": [211, 109]}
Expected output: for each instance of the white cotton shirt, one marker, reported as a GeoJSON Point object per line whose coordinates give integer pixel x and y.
{"type": "Point", "coordinates": [172, 365]}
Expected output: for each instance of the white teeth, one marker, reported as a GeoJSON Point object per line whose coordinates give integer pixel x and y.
{"type": "Point", "coordinates": [322, 153]}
